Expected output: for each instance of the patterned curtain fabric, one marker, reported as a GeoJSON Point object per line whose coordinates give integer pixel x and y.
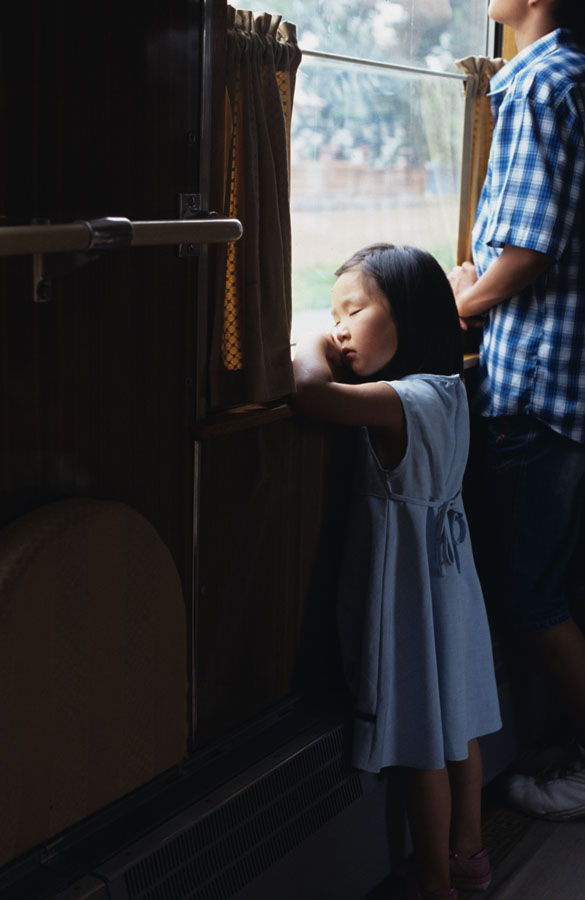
{"type": "Point", "coordinates": [250, 360]}
{"type": "Point", "coordinates": [477, 135]}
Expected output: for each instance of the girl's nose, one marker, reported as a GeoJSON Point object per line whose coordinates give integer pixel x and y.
{"type": "Point", "coordinates": [342, 332]}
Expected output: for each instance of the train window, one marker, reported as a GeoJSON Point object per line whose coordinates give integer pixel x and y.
{"type": "Point", "coordinates": [376, 132]}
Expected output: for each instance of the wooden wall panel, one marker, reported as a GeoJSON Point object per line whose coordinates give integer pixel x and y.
{"type": "Point", "coordinates": [100, 116]}
{"type": "Point", "coordinates": [272, 516]}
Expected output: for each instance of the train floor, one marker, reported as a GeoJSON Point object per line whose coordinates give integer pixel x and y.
{"type": "Point", "coordinates": [532, 859]}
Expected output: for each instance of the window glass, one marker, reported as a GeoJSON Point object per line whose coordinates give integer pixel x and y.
{"type": "Point", "coordinates": [376, 151]}
{"type": "Point", "coordinates": [376, 157]}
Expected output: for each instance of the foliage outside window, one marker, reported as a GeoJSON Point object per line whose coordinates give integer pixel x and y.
{"type": "Point", "coordinates": [376, 151]}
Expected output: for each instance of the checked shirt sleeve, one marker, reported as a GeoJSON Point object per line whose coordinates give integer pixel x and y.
{"type": "Point", "coordinates": [537, 173]}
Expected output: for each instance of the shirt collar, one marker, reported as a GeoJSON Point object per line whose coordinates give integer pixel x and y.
{"type": "Point", "coordinates": [552, 41]}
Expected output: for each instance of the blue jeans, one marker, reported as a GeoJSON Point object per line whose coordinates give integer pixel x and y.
{"type": "Point", "coordinates": [528, 527]}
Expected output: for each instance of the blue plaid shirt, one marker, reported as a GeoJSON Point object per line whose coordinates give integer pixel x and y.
{"type": "Point", "coordinates": [532, 356]}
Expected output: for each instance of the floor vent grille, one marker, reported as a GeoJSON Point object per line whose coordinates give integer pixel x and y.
{"type": "Point", "coordinates": [234, 843]}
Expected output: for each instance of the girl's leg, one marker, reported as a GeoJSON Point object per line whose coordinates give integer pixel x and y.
{"type": "Point", "coordinates": [428, 804]}
{"type": "Point", "coordinates": [465, 778]}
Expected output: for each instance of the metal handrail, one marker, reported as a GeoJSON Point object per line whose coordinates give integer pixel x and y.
{"type": "Point", "coordinates": [112, 232]}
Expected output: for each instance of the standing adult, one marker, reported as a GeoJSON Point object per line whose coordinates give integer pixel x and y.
{"type": "Point", "coordinates": [527, 283]}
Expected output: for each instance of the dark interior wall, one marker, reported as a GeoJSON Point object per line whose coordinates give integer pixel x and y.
{"type": "Point", "coordinates": [100, 114]}
{"type": "Point", "coordinates": [100, 102]}
{"type": "Point", "coordinates": [273, 501]}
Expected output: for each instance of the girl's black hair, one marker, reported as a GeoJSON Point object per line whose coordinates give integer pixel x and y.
{"type": "Point", "coordinates": [570, 14]}
{"type": "Point", "coordinates": [427, 322]}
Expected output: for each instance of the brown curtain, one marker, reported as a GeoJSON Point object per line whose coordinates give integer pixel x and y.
{"type": "Point", "coordinates": [477, 135]}
{"type": "Point", "coordinates": [250, 359]}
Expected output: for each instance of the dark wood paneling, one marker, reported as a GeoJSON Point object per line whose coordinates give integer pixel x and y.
{"type": "Point", "coordinates": [272, 517]}
{"type": "Point", "coordinates": [100, 116]}
{"type": "Point", "coordinates": [99, 110]}
{"type": "Point", "coordinates": [98, 106]}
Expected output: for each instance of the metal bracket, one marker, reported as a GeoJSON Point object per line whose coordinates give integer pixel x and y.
{"type": "Point", "coordinates": [42, 287]}
{"type": "Point", "coordinates": [60, 248]}
{"type": "Point", "coordinates": [190, 208]}
{"type": "Point", "coordinates": [103, 234]}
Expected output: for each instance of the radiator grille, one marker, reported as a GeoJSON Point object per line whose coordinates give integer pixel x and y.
{"type": "Point", "coordinates": [236, 842]}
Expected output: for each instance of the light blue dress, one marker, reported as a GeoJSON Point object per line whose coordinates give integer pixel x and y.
{"type": "Point", "coordinates": [413, 627]}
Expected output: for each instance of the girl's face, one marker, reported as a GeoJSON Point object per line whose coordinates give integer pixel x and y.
{"type": "Point", "coordinates": [365, 328]}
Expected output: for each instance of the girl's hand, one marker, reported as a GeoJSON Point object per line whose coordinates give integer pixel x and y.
{"type": "Point", "coordinates": [334, 357]}
{"type": "Point", "coordinates": [315, 356]}
{"type": "Point", "coordinates": [320, 353]}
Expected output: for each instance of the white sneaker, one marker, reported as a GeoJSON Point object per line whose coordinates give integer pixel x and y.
{"type": "Point", "coordinates": [557, 793]}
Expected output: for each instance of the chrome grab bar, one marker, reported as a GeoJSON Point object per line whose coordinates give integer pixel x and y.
{"type": "Point", "coordinates": [114, 232]}
{"type": "Point", "coordinates": [87, 238]}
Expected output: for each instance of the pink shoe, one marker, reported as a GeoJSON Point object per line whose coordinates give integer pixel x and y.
{"type": "Point", "coordinates": [474, 874]}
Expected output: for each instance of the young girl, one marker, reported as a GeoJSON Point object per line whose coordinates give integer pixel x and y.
{"type": "Point", "coordinates": [414, 632]}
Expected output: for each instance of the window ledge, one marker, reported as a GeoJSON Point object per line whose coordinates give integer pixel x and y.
{"type": "Point", "coordinates": [240, 418]}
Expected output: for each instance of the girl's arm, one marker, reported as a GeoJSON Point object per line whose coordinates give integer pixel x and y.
{"type": "Point", "coordinates": [319, 370]}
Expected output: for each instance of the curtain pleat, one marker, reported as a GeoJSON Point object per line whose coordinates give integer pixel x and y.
{"type": "Point", "coordinates": [250, 359]}
{"type": "Point", "coordinates": [477, 134]}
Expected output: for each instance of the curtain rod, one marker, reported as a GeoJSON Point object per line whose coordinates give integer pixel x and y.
{"type": "Point", "coordinates": [373, 64]}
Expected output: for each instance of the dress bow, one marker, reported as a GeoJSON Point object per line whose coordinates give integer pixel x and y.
{"type": "Point", "coordinates": [451, 531]}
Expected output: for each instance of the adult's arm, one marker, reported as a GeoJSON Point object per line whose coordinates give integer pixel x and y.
{"type": "Point", "coordinates": [514, 269]}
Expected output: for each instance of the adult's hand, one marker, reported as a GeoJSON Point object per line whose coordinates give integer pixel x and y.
{"type": "Point", "coordinates": [461, 278]}
{"type": "Point", "coordinates": [510, 273]}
